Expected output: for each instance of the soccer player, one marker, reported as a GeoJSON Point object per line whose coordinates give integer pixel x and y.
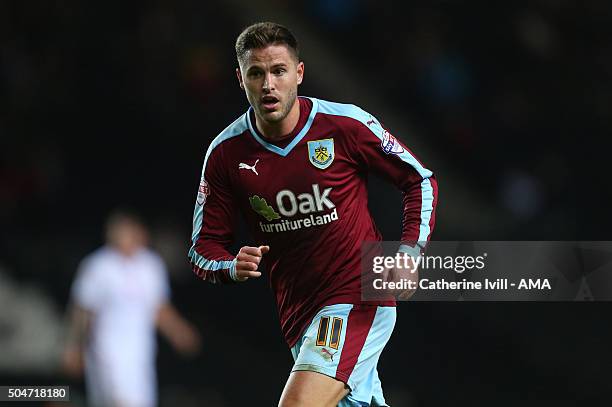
{"type": "Point", "coordinates": [120, 295]}
{"type": "Point", "coordinates": [296, 168]}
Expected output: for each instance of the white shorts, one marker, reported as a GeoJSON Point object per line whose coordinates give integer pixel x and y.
{"type": "Point", "coordinates": [110, 383]}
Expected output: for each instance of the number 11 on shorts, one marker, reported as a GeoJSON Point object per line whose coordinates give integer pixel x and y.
{"type": "Point", "coordinates": [336, 329]}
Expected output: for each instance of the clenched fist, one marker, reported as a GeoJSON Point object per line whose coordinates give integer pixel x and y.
{"type": "Point", "coordinates": [247, 262]}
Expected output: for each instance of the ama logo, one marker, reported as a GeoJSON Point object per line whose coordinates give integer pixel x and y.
{"type": "Point", "coordinates": [390, 145]}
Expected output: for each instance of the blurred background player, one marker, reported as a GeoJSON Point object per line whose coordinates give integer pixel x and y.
{"type": "Point", "coordinates": [297, 168]}
{"type": "Point", "coordinates": [120, 295]}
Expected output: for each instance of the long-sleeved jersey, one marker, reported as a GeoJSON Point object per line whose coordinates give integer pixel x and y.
{"type": "Point", "coordinates": [306, 198]}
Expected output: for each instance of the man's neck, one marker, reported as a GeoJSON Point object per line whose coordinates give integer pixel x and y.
{"type": "Point", "coordinates": [277, 131]}
{"type": "Point", "coordinates": [126, 252]}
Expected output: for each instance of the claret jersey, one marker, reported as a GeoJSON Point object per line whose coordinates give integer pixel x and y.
{"type": "Point", "coordinates": [306, 197]}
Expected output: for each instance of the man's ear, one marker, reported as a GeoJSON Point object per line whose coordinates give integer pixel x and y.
{"type": "Point", "coordinates": [239, 76]}
{"type": "Point", "coordinates": [300, 72]}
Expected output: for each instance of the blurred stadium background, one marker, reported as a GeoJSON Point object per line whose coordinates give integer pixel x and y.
{"type": "Point", "coordinates": [104, 104]}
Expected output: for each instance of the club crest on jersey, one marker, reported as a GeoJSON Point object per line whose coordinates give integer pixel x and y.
{"type": "Point", "coordinates": [203, 192]}
{"type": "Point", "coordinates": [321, 153]}
{"type": "Point", "coordinates": [390, 145]}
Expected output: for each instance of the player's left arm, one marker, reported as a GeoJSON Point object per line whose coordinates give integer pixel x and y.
{"type": "Point", "coordinates": [180, 333]}
{"type": "Point", "coordinates": [379, 151]}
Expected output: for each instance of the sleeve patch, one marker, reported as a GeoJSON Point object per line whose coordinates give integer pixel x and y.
{"type": "Point", "coordinates": [390, 145]}
{"type": "Point", "coordinates": [203, 192]}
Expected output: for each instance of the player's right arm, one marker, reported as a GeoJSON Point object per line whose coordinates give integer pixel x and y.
{"type": "Point", "coordinates": [214, 221]}
{"type": "Point", "coordinates": [87, 295]}
{"type": "Point", "coordinates": [76, 340]}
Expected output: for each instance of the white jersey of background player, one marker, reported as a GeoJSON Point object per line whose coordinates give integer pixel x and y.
{"type": "Point", "coordinates": [120, 295]}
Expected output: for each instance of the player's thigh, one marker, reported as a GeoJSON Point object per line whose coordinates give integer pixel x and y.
{"type": "Point", "coordinates": [311, 389]}
{"type": "Point", "coordinates": [133, 384]}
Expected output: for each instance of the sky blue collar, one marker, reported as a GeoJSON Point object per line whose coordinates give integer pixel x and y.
{"type": "Point", "coordinates": [284, 151]}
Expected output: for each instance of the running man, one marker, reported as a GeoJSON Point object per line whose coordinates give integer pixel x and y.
{"type": "Point", "coordinates": [296, 168]}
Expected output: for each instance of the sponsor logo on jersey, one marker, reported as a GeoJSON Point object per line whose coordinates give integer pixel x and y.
{"type": "Point", "coordinates": [390, 145]}
{"type": "Point", "coordinates": [203, 192]}
{"type": "Point", "coordinates": [260, 206]}
{"type": "Point", "coordinates": [310, 207]}
{"type": "Point", "coordinates": [321, 153]}
{"type": "Point", "coordinates": [243, 166]}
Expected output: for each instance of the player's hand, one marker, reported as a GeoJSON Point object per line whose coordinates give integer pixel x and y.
{"type": "Point", "coordinates": [247, 262]}
{"type": "Point", "coordinates": [72, 361]}
{"type": "Point", "coordinates": [408, 293]}
{"type": "Point", "coordinates": [408, 273]}
{"type": "Point", "coordinates": [187, 340]}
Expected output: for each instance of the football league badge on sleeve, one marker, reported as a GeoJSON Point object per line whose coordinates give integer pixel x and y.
{"type": "Point", "coordinates": [390, 145]}
{"type": "Point", "coordinates": [321, 153]}
{"type": "Point", "coordinates": [203, 192]}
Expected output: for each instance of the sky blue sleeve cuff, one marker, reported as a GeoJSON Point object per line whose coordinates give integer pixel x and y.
{"type": "Point", "coordinates": [232, 270]}
{"type": "Point", "coordinates": [413, 252]}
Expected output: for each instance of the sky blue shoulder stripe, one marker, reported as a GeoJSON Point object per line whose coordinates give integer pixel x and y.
{"type": "Point", "coordinates": [355, 112]}
{"type": "Point", "coordinates": [235, 129]}
{"type": "Point", "coordinates": [284, 151]}
{"type": "Point", "coordinates": [238, 127]}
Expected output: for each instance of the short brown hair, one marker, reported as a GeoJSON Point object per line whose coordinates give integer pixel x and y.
{"type": "Point", "coordinates": [260, 35]}
{"type": "Point", "coordinates": [120, 216]}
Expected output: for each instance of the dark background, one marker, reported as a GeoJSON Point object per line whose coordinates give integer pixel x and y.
{"type": "Point", "coordinates": [107, 104]}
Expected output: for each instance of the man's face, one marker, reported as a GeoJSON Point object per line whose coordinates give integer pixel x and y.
{"type": "Point", "coordinates": [270, 77]}
{"type": "Point", "coordinates": [127, 236]}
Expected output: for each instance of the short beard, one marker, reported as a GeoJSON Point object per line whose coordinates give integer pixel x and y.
{"type": "Point", "coordinates": [291, 97]}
